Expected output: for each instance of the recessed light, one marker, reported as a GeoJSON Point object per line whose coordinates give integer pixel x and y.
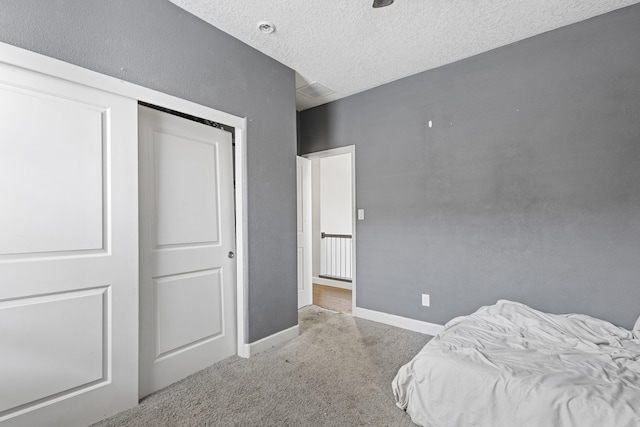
{"type": "Point", "coordinates": [266, 27]}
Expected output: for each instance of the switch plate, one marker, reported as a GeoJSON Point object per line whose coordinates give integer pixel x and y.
{"type": "Point", "coordinates": [360, 214]}
{"type": "Point", "coordinates": [426, 300]}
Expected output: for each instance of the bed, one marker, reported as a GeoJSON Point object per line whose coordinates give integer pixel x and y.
{"type": "Point", "coordinates": [509, 365]}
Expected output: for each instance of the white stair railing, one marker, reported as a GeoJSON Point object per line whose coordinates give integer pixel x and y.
{"type": "Point", "coordinates": [336, 257]}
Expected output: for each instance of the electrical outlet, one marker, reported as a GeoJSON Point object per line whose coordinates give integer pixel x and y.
{"type": "Point", "coordinates": [426, 300]}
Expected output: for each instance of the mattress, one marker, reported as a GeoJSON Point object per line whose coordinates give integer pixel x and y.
{"type": "Point", "coordinates": [509, 365]}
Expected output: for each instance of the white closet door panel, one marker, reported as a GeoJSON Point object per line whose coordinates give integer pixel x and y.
{"type": "Point", "coordinates": [51, 173]}
{"type": "Point", "coordinates": [186, 190]}
{"type": "Point", "coordinates": [187, 278]}
{"type": "Point", "coordinates": [202, 293]}
{"type": "Point", "coordinates": [68, 251]}
{"type": "Point", "coordinates": [65, 331]}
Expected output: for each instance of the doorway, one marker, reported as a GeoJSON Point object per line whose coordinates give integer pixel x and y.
{"type": "Point", "coordinates": [332, 214]}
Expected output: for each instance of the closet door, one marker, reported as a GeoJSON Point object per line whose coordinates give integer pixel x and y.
{"type": "Point", "coordinates": [68, 252]}
{"type": "Point", "coordinates": [187, 239]}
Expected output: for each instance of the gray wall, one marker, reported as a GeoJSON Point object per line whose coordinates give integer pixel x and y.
{"type": "Point", "coordinates": [527, 187]}
{"type": "Point", "coordinates": [155, 44]}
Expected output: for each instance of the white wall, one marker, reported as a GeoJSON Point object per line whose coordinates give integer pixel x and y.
{"type": "Point", "coordinates": [335, 194]}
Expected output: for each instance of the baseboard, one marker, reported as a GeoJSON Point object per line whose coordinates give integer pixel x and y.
{"type": "Point", "coordinates": [399, 321]}
{"type": "Point", "coordinates": [329, 282]}
{"type": "Point", "coordinates": [271, 341]}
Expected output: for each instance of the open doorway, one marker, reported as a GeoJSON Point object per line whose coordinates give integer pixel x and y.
{"type": "Point", "coordinates": [331, 239]}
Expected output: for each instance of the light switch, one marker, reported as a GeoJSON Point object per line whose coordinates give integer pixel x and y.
{"type": "Point", "coordinates": [360, 214]}
{"type": "Point", "coordinates": [426, 300]}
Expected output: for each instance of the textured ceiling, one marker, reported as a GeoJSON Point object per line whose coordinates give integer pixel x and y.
{"type": "Point", "coordinates": [348, 46]}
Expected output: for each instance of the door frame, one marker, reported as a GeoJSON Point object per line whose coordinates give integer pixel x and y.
{"type": "Point", "coordinates": [349, 149]}
{"type": "Point", "coordinates": [304, 207]}
{"type": "Point", "coordinates": [25, 59]}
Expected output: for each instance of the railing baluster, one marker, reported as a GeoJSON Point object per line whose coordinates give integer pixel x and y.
{"type": "Point", "coordinates": [337, 257]}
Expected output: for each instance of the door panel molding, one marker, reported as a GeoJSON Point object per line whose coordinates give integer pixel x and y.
{"type": "Point", "coordinates": [201, 325]}
{"type": "Point", "coordinates": [76, 228]}
{"type": "Point", "coordinates": [80, 319]}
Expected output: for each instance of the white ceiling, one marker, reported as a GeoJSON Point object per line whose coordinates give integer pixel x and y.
{"type": "Point", "coordinates": [349, 47]}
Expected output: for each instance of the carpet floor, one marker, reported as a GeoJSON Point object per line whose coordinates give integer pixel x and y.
{"type": "Point", "coordinates": [337, 372]}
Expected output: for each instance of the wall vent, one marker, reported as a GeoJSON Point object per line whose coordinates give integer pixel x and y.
{"type": "Point", "coordinates": [315, 90]}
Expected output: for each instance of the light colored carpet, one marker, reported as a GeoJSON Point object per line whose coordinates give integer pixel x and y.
{"type": "Point", "coordinates": [337, 372]}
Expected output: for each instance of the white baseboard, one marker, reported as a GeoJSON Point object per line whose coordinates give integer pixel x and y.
{"type": "Point", "coordinates": [329, 282]}
{"type": "Point", "coordinates": [399, 321]}
{"type": "Point", "coordinates": [271, 341]}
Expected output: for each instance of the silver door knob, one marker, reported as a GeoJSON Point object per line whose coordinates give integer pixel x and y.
{"type": "Point", "coordinates": [231, 254]}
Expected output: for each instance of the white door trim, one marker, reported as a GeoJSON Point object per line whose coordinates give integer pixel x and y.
{"type": "Point", "coordinates": [28, 60]}
{"type": "Point", "coordinates": [242, 260]}
{"type": "Point", "coordinates": [350, 149]}
{"type": "Point", "coordinates": [304, 231]}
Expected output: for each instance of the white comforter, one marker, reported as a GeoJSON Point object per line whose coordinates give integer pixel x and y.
{"type": "Point", "coordinates": [508, 365]}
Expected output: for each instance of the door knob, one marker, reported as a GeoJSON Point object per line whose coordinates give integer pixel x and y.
{"type": "Point", "coordinates": [231, 254]}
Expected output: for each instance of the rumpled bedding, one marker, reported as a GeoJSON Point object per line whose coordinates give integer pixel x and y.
{"type": "Point", "coordinates": [508, 365]}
